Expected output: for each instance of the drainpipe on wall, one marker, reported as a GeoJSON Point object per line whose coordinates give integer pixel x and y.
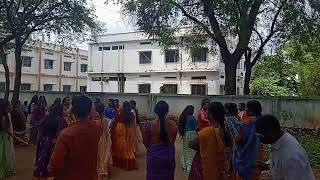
{"type": "Point", "coordinates": [40, 64]}
{"type": "Point", "coordinates": [77, 69]}
{"type": "Point", "coordinates": [60, 68]}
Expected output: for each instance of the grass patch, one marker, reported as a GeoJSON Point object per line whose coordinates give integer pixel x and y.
{"type": "Point", "coordinates": [311, 146]}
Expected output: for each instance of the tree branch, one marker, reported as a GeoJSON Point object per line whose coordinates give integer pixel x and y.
{"type": "Point", "coordinates": [259, 35]}
{"type": "Point", "coordinates": [185, 13]}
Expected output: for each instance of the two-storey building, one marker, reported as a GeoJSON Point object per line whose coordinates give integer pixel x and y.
{"type": "Point", "coordinates": [132, 63]}
{"type": "Point", "coordinates": [49, 67]}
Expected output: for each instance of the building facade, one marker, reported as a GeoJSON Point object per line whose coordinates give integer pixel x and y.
{"type": "Point", "coordinates": [131, 63]}
{"type": "Point", "coordinates": [49, 67]}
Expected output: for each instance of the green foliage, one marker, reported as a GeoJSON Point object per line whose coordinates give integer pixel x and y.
{"type": "Point", "coordinates": [267, 86]}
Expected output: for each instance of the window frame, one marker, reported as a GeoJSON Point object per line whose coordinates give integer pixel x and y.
{"type": "Point", "coordinates": [86, 68]}
{"type": "Point", "coordinates": [48, 60]}
{"type": "Point", "coordinates": [47, 85]}
{"type": "Point", "coordinates": [175, 57]}
{"type": "Point", "coordinates": [24, 58]}
{"type": "Point", "coordinates": [147, 88]}
{"type": "Point", "coordinates": [83, 87]}
{"type": "Point", "coordinates": [67, 69]}
{"type": "Point", "coordinates": [173, 85]}
{"type": "Point", "coordinates": [64, 86]}
{"type": "Point", "coordinates": [196, 55]}
{"type": "Point", "coordinates": [25, 85]}
{"type": "Point", "coordinates": [197, 86]}
{"type": "Point", "coordinates": [142, 54]}
{"type": "Point", "coordinates": [2, 86]}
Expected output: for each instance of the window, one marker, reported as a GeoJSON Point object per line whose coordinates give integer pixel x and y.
{"type": "Point", "coordinates": [172, 56]}
{"type": "Point", "coordinates": [83, 88]}
{"type": "Point", "coordinates": [2, 86]}
{"type": "Point", "coordinates": [199, 55]}
{"type": "Point", "coordinates": [170, 77]}
{"type": "Point", "coordinates": [49, 53]}
{"type": "Point", "coordinates": [100, 48]}
{"type": "Point", "coordinates": [67, 66]}
{"type": "Point", "coordinates": [96, 78]}
{"type": "Point", "coordinates": [145, 57]}
{"type": "Point", "coordinates": [67, 56]}
{"type": "Point", "coordinates": [198, 89]}
{"type": "Point", "coordinates": [144, 88]}
{"type": "Point", "coordinates": [26, 61]}
{"type": "Point", "coordinates": [84, 59]}
{"type": "Point", "coordinates": [145, 75]}
{"type": "Point", "coordinates": [25, 87]}
{"type": "Point", "coordinates": [121, 47]}
{"type": "Point", "coordinates": [83, 68]}
{"type": "Point", "coordinates": [170, 88]}
{"type": "Point", "coordinates": [106, 48]}
{"type": "Point", "coordinates": [47, 87]}
{"type": "Point", "coordinates": [115, 47]}
{"type": "Point", "coordinates": [198, 77]}
{"type": "Point", "coordinates": [113, 78]}
{"type": "Point", "coordinates": [145, 43]}
{"type": "Point", "coordinates": [48, 64]}
{"type": "Point", "coordinates": [66, 88]}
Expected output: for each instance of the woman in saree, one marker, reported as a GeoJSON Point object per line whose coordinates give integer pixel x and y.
{"type": "Point", "coordinates": [136, 137]}
{"type": "Point", "coordinates": [110, 111]}
{"type": "Point", "coordinates": [39, 111]}
{"type": "Point", "coordinates": [122, 142]}
{"type": "Point", "coordinates": [19, 122]}
{"type": "Point", "coordinates": [210, 144]}
{"type": "Point", "coordinates": [68, 116]}
{"type": "Point", "coordinates": [7, 154]}
{"type": "Point", "coordinates": [49, 131]}
{"type": "Point", "coordinates": [104, 148]}
{"type": "Point", "coordinates": [243, 148]}
{"type": "Point", "coordinates": [187, 130]}
{"type": "Point", "coordinates": [202, 115]}
{"type": "Point", "coordinates": [159, 136]}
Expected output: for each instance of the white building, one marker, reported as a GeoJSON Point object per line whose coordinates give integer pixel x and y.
{"type": "Point", "coordinates": [49, 67]}
{"type": "Point", "coordinates": [131, 63]}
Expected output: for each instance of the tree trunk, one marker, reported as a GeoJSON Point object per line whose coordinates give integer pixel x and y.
{"type": "Point", "coordinates": [230, 77]}
{"type": "Point", "coordinates": [17, 80]}
{"type": "Point", "coordinates": [247, 78]}
{"type": "Point", "coordinates": [3, 56]}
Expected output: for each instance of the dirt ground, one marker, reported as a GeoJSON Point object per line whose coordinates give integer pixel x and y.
{"type": "Point", "coordinates": [25, 160]}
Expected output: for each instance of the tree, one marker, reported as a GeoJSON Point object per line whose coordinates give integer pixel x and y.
{"type": "Point", "coordinates": [235, 26]}
{"type": "Point", "coordinates": [275, 75]}
{"type": "Point", "coordinates": [64, 18]}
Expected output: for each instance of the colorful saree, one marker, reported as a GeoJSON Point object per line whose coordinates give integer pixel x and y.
{"type": "Point", "coordinates": [104, 151]}
{"type": "Point", "coordinates": [122, 145]}
{"type": "Point", "coordinates": [161, 162]}
{"type": "Point", "coordinates": [212, 156]}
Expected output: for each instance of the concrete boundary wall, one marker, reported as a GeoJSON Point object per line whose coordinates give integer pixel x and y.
{"type": "Point", "coordinates": [292, 112]}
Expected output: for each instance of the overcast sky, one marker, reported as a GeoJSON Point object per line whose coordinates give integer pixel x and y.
{"type": "Point", "coordinates": [110, 15]}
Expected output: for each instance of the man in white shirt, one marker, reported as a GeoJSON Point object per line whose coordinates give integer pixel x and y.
{"type": "Point", "coordinates": [289, 160]}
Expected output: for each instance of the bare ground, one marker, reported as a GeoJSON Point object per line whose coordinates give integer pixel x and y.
{"type": "Point", "coordinates": [25, 160]}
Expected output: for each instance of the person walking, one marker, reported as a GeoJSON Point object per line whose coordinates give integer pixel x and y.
{"type": "Point", "coordinates": [67, 111]}
{"type": "Point", "coordinates": [19, 122]}
{"type": "Point", "coordinates": [202, 115]}
{"type": "Point", "coordinates": [39, 111]}
{"type": "Point", "coordinates": [122, 141]}
{"type": "Point", "coordinates": [187, 130]}
{"type": "Point", "coordinates": [289, 160]}
{"type": "Point", "coordinates": [135, 129]}
{"type": "Point", "coordinates": [210, 165]}
{"type": "Point", "coordinates": [76, 151]}
{"type": "Point", "coordinates": [104, 150]}
{"type": "Point", "coordinates": [25, 109]}
{"type": "Point", "coordinates": [159, 136]}
{"type": "Point", "coordinates": [49, 131]}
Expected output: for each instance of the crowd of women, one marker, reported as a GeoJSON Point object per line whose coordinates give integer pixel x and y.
{"type": "Point", "coordinates": [219, 143]}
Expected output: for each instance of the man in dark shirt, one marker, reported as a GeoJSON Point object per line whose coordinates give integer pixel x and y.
{"type": "Point", "coordinates": [75, 153]}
